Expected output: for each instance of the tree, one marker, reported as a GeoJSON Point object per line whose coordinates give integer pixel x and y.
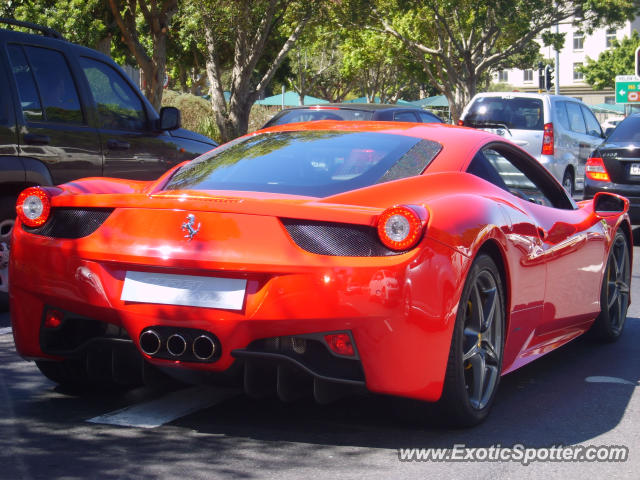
{"type": "Point", "coordinates": [381, 66]}
{"type": "Point", "coordinates": [86, 22]}
{"type": "Point", "coordinates": [333, 84]}
{"type": "Point", "coordinates": [457, 42]}
{"type": "Point", "coordinates": [619, 60]}
{"type": "Point", "coordinates": [240, 35]}
{"type": "Point", "coordinates": [156, 15]}
{"type": "Point", "coordinates": [315, 64]}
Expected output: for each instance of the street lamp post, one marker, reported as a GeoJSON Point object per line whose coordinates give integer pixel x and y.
{"type": "Point", "coordinates": [557, 85]}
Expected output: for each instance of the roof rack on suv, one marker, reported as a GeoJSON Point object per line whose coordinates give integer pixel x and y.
{"type": "Point", "coordinates": [46, 31]}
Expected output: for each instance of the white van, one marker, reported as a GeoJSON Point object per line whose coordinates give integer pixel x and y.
{"type": "Point", "coordinates": [559, 131]}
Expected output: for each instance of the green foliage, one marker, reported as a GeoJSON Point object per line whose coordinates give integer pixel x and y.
{"type": "Point", "coordinates": [388, 48]}
{"type": "Point", "coordinates": [314, 64]}
{"type": "Point", "coordinates": [619, 60]}
{"type": "Point", "coordinates": [459, 42]}
{"type": "Point", "coordinates": [260, 114]}
{"type": "Point", "coordinates": [381, 65]}
{"type": "Point", "coordinates": [197, 114]}
{"type": "Point", "coordinates": [500, 87]}
{"type": "Point", "coordinates": [85, 22]}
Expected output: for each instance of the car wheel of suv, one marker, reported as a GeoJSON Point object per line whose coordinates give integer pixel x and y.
{"type": "Point", "coordinates": [567, 182]}
{"type": "Point", "coordinates": [7, 220]}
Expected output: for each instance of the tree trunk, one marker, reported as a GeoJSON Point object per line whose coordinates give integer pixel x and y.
{"type": "Point", "coordinates": [232, 117]}
{"type": "Point", "coordinates": [104, 45]}
{"type": "Point", "coordinates": [158, 69]}
{"type": "Point", "coordinates": [157, 15]}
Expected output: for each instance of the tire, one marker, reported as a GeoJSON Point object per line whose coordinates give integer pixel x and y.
{"type": "Point", "coordinates": [615, 291]}
{"type": "Point", "coordinates": [475, 357]}
{"type": "Point", "coordinates": [7, 221]}
{"type": "Point", "coordinates": [568, 183]}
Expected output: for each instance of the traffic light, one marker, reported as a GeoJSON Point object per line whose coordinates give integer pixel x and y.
{"type": "Point", "coordinates": [548, 77]}
{"type": "Point", "coordinates": [637, 57]}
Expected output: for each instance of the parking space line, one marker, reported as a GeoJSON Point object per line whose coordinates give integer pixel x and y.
{"type": "Point", "coordinates": [600, 379]}
{"type": "Point", "coordinates": [174, 405]}
{"type": "Point", "coordinates": [5, 331]}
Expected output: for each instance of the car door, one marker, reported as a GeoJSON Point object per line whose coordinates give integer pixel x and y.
{"type": "Point", "coordinates": [54, 126]}
{"type": "Point", "coordinates": [570, 245]}
{"type": "Point", "coordinates": [132, 146]}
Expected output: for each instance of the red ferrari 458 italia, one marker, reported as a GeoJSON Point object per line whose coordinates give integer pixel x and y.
{"type": "Point", "coordinates": [413, 260]}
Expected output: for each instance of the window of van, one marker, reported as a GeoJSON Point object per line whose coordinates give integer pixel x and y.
{"type": "Point", "coordinates": [520, 113]}
{"type": "Point", "coordinates": [576, 121]}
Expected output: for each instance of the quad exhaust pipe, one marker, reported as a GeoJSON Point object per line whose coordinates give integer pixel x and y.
{"type": "Point", "coordinates": [176, 345]}
{"type": "Point", "coordinates": [184, 344]}
{"type": "Point", "coordinates": [203, 347]}
{"type": "Point", "coordinates": [150, 342]}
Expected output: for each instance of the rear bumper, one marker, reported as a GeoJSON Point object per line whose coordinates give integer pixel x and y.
{"type": "Point", "coordinates": [402, 345]}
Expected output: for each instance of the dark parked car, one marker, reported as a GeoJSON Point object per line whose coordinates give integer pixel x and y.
{"type": "Point", "coordinates": [615, 165]}
{"type": "Point", "coordinates": [353, 111]}
{"type": "Point", "coordinates": [68, 112]}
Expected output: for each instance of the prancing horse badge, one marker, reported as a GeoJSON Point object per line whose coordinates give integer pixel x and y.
{"type": "Point", "coordinates": [187, 226]}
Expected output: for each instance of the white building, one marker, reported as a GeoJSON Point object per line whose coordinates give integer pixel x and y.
{"type": "Point", "coordinates": [577, 47]}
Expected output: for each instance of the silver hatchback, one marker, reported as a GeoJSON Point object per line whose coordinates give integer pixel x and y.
{"type": "Point", "coordinates": [559, 131]}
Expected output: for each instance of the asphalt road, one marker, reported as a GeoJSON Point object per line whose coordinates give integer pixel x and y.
{"type": "Point", "coordinates": [584, 394]}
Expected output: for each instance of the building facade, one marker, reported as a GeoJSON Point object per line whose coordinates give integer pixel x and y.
{"type": "Point", "coordinates": [577, 47]}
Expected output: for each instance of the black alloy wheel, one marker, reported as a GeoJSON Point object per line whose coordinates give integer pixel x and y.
{"type": "Point", "coordinates": [614, 295]}
{"type": "Point", "coordinates": [475, 357]}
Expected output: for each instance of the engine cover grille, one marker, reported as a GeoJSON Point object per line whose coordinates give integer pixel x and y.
{"type": "Point", "coordinates": [336, 239]}
{"type": "Point", "coordinates": [71, 223]}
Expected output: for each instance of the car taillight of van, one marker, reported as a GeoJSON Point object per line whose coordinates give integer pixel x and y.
{"type": "Point", "coordinates": [547, 139]}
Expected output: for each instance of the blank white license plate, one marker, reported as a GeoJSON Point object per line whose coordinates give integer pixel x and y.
{"type": "Point", "coordinates": [635, 169]}
{"type": "Point", "coordinates": [187, 290]}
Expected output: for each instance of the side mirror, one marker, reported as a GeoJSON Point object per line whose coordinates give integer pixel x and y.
{"type": "Point", "coordinates": [169, 118]}
{"type": "Point", "coordinates": [609, 204]}
{"type": "Point", "coordinates": [608, 131]}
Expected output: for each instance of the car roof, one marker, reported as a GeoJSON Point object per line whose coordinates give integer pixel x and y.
{"type": "Point", "coordinates": [525, 95]}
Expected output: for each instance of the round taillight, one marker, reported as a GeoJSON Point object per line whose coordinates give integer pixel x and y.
{"type": "Point", "coordinates": [400, 227]}
{"type": "Point", "coordinates": [33, 206]}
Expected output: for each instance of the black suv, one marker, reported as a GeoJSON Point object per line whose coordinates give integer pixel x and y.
{"type": "Point", "coordinates": [68, 112]}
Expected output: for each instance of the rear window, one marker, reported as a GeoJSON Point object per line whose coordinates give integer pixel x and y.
{"type": "Point", "coordinates": [310, 163]}
{"type": "Point", "coordinates": [626, 131]}
{"type": "Point", "coordinates": [516, 113]}
{"type": "Point", "coordinates": [304, 115]}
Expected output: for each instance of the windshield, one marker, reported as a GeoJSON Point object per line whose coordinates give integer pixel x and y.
{"type": "Point", "coordinates": [515, 113]}
{"type": "Point", "coordinates": [626, 131]}
{"type": "Point", "coordinates": [311, 163]}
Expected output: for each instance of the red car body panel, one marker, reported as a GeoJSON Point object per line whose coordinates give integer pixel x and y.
{"type": "Point", "coordinates": [553, 265]}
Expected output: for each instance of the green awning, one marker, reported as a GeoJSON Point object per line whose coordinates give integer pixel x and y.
{"type": "Point", "coordinates": [291, 99]}
{"type": "Point", "coordinates": [435, 101]}
{"type": "Point", "coordinates": [616, 108]}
